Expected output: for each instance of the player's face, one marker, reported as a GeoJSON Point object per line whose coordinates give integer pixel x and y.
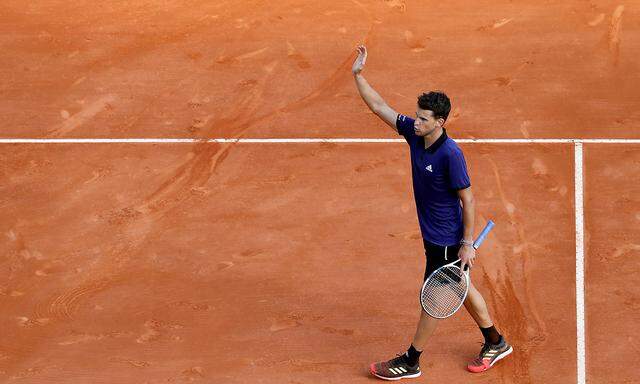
{"type": "Point", "coordinates": [425, 123]}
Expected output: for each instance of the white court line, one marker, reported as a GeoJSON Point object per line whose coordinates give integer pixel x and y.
{"type": "Point", "coordinates": [580, 310]}
{"type": "Point", "coordinates": [302, 140]}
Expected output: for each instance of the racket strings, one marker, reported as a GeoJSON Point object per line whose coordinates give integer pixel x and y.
{"type": "Point", "coordinates": [444, 292]}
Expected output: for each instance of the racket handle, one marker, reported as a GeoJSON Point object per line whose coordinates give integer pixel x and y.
{"type": "Point", "coordinates": [483, 234]}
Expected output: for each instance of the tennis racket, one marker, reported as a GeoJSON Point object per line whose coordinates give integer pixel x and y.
{"type": "Point", "coordinates": [446, 288]}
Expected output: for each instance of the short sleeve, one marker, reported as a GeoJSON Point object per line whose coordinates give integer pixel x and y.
{"type": "Point", "coordinates": [405, 128]}
{"type": "Point", "coordinates": [458, 175]}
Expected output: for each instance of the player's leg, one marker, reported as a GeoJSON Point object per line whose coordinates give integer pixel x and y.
{"type": "Point", "coordinates": [408, 364]}
{"type": "Point", "coordinates": [477, 307]}
{"type": "Point", "coordinates": [426, 326]}
{"type": "Point", "coordinates": [436, 256]}
{"type": "Point", "coordinates": [495, 346]}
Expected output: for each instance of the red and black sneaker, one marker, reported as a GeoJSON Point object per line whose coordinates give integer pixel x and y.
{"type": "Point", "coordinates": [489, 355]}
{"type": "Point", "coordinates": [395, 369]}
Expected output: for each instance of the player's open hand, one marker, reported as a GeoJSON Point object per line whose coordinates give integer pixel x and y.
{"type": "Point", "coordinates": [467, 255]}
{"type": "Point", "coordinates": [358, 65]}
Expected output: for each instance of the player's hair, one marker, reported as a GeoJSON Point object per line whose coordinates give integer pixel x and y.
{"type": "Point", "coordinates": [437, 102]}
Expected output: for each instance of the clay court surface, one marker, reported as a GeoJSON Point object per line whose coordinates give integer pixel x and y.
{"type": "Point", "coordinates": [301, 262]}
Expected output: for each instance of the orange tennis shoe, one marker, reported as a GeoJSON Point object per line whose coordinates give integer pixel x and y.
{"type": "Point", "coordinates": [489, 355]}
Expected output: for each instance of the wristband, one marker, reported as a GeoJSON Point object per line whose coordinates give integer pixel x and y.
{"type": "Point", "coordinates": [466, 242]}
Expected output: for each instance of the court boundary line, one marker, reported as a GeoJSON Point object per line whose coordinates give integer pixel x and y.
{"type": "Point", "coordinates": [297, 140]}
{"type": "Point", "coordinates": [580, 304]}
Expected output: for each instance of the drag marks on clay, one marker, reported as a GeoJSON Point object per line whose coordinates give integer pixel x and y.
{"type": "Point", "coordinates": [82, 338]}
{"type": "Point", "coordinates": [539, 167]}
{"type": "Point", "coordinates": [242, 259]}
{"type": "Point", "coordinates": [4, 291]}
{"type": "Point", "coordinates": [408, 235]}
{"type": "Point", "coordinates": [326, 88]}
{"type": "Point", "coordinates": [141, 44]}
{"type": "Point", "coordinates": [300, 60]}
{"type": "Point", "coordinates": [629, 251]}
{"type": "Point", "coordinates": [223, 265]}
{"type": "Point", "coordinates": [155, 330]}
{"type": "Point", "coordinates": [11, 352]}
{"type": "Point", "coordinates": [121, 216]}
{"type": "Point", "coordinates": [524, 129]}
{"type": "Point", "coordinates": [22, 250]}
{"type": "Point", "coordinates": [152, 332]}
{"type": "Point", "coordinates": [137, 221]}
{"type": "Point", "coordinates": [294, 320]}
{"type": "Point", "coordinates": [522, 239]}
{"type": "Point", "coordinates": [190, 305]}
{"type": "Point", "coordinates": [291, 321]}
{"type": "Point", "coordinates": [50, 268]}
{"type": "Point", "coordinates": [24, 321]}
{"type": "Point", "coordinates": [187, 181]}
{"type": "Point", "coordinates": [305, 365]}
{"type": "Point", "coordinates": [195, 56]}
{"type": "Point", "coordinates": [222, 59]}
{"type": "Point", "coordinates": [370, 166]}
{"type": "Point", "coordinates": [507, 80]}
{"type": "Point", "coordinates": [26, 259]}
{"type": "Point", "coordinates": [205, 157]}
{"type": "Point", "coordinates": [502, 81]}
{"type": "Point", "coordinates": [399, 5]}
{"type": "Point", "coordinates": [78, 81]}
{"type": "Point", "coordinates": [596, 20]}
{"type": "Point", "coordinates": [131, 362]}
{"type": "Point", "coordinates": [99, 174]}
{"type": "Point", "coordinates": [270, 67]}
{"type": "Point", "coordinates": [413, 43]}
{"type": "Point", "coordinates": [540, 172]}
{"type": "Point", "coordinates": [495, 25]}
{"type": "Point", "coordinates": [29, 372]}
{"type": "Point", "coordinates": [198, 123]}
{"type": "Point", "coordinates": [193, 373]}
{"type": "Point", "coordinates": [85, 115]}
{"type": "Point", "coordinates": [519, 334]}
{"type": "Point", "coordinates": [323, 151]}
{"type": "Point", "coordinates": [336, 331]}
{"type": "Point", "coordinates": [613, 34]}
{"type": "Point", "coordinates": [526, 335]}
{"type": "Point", "coordinates": [63, 305]}
{"type": "Point", "coordinates": [250, 253]}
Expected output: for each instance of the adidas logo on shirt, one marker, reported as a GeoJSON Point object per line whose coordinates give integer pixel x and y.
{"type": "Point", "coordinates": [429, 168]}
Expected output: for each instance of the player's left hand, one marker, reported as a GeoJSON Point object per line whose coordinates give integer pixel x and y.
{"type": "Point", "coordinates": [467, 255]}
{"type": "Point", "coordinates": [358, 64]}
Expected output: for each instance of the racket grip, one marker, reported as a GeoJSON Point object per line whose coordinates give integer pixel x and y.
{"type": "Point", "coordinates": [483, 234]}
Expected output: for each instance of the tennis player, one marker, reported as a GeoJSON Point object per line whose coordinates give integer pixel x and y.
{"type": "Point", "coordinates": [445, 206]}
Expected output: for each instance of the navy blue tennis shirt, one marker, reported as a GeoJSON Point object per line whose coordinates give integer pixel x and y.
{"type": "Point", "coordinates": [439, 172]}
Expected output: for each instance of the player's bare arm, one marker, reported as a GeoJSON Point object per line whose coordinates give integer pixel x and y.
{"type": "Point", "coordinates": [373, 100]}
{"type": "Point", "coordinates": [467, 253]}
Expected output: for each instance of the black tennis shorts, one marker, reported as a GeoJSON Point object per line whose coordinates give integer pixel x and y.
{"type": "Point", "coordinates": [437, 256]}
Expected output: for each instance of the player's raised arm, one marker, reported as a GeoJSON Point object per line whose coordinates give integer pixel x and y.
{"type": "Point", "coordinates": [373, 100]}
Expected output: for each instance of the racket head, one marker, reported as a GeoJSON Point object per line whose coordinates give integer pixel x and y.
{"type": "Point", "coordinates": [444, 291]}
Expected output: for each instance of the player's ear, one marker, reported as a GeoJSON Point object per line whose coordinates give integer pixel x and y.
{"type": "Point", "coordinates": [440, 121]}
